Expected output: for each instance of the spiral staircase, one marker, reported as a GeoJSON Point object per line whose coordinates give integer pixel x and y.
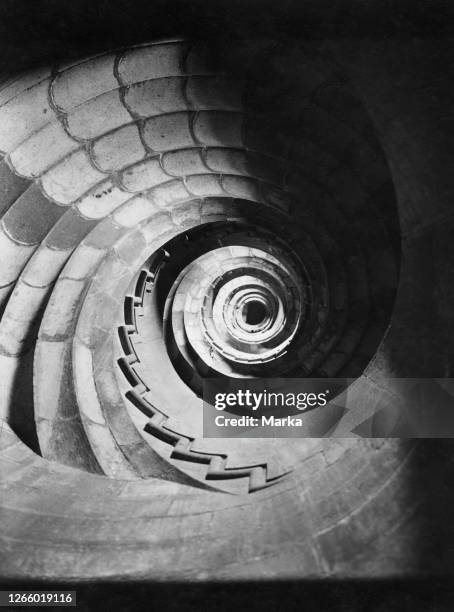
{"type": "Point", "coordinates": [169, 215]}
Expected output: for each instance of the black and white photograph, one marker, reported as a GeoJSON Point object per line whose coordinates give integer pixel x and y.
{"type": "Point", "coordinates": [227, 305]}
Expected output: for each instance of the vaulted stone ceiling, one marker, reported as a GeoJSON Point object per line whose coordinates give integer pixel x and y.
{"type": "Point", "coordinates": [136, 182]}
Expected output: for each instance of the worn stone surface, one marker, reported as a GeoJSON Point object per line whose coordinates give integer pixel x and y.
{"type": "Point", "coordinates": [24, 114]}
{"type": "Point", "coordinates": [167, 132]}
{"type": "Point", "coordinates": [118, 149]}
{"type": "Point", "coordinates": [31, 216]}
{"type": "Point", "coordinates": [11, 186]}
{"type": "Point", "coordinates": [153, 62]}
{"type": "Point", "coordinates": [144, 175]}
{"type": "Point", "coordinates": [157, 96]}
{"type": "Point", "coordinates": [42, 149]}
{"type": "Point", "coordinates": [321, 140]}
{"type": "Point", "coordinates": [101, 200]}
{"type": "Point", "coordinates": [70, 178]}
{"type": "Point", "coordinates": [84, 81]}
{"type": "Point", "coordinates": [97, 116]}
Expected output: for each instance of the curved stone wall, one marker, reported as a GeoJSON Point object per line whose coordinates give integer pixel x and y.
{"type": "Point", "coordinates": [134, 183]}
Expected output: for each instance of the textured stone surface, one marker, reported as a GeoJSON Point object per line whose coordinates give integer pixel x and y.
{"type": "Point", "coordinates": [20, 83]}
{"type": "Point", "coordinates": [134, 211]}
{"type": "Point", "coordinates": [9, 366]}
{"type": "Point", "coordinates": [168, 193]}
{"type": "Point", "coordinates": [85, 264]}
{"type": "Point", "coordinates": [212, 93]}
{"type": "Point", "coordinates": [24, 114]}
{"type": "Point", "coordinates": [183, 163]}
{"type": "Point", "coordinates": [62, 308]}
{"type": "Point", "coordinates": [83, 82]}
{"type": "Point", "coordinates": [168, 132]}
{"type": "Point", "coordinates": [118, 149]}
{"type": "Point", "coordinates": [11, 186]}
{"type": "Point", "coordinates": [102, 200]}
{"type": "Point", "coordinates": [352, 507]}
{"type": "Point", "coordinates": [71, 178]}
{"type": "Point", "coordinates": [144, 175]}
{"type": "Point", "coordinates": [241, 187]}
{"type": "Point", "coordinates": [218, 129]}
{"type": "Point", "coordinates": [97, 116]}
{"type": "Point", "coordinates": [203, 185]}
{"type": "Point", "coordinates": [43, 149]}
{"type": "Point", "coordinates": [13, 256]}
{"type": "Point", "coordinates": [69, 230]}
{"type": "Point", "coordinates": [30, 218]}
{"type": "Point", "coordinates": [18, 327]}
{"type": "Point", "coordinates": [157, 96]}
{"type": "Point", "coordinates": [153, 62]}
{"type": "Point", "coordinates": [44, 266]}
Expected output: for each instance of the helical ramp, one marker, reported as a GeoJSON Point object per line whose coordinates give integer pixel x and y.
{"type": "Point", "coordinates": [165, 219]}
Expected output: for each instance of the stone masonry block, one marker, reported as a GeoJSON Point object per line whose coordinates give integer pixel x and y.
{"type": "Point", "coordinates": [204, 185]}
{"type": "Point", "coordinates": [18, 320]}
{"type": "Point", "coordinates": [104, 234]}
{"type": "Point", "coordinates": [159, 229]}
{"type": "Point", "coordinates": [153, 62]}
{"type": "Point", "coordinates": [71, 178]}
{"type": "Point", "coordinates": [13, 257]}
{"type": "Point", "coordinates": [184, 163]}
{"type": "Point", "coordinates": [102, 200]}
{"type": "Point", "coordinates": [186, 216]}
{"type": "Point", "coordinates": [44, 266]}
{"type": "Point", "coordinates": [108, 454]}
{"type": "Point", "coordinates": [43, 149]}
{"type": "Point", "coordinates": [130, 249]}
{"type": "Point", "coordinates": [9, 366]}
{"type": "Point", "coordinates": [69, 230]}
{"type": "Point", "coordinates": [31, 216]}
{"type": "Point", "coordinates": [84, 262]}
{"type": "Point", "coordinates": [168, 132]}
{"type": "Point", "coordinates": [227, 161]}
{"type": "Point", "coordinates": [242, 187]}
{"type": "Point", "coordinates": [50, 357]}
{"type": "Point", "coordinates": [21, 83]}
{"type": "Point", "coordinates": [218, 128]}
{"type": "Point", "coordinates": [11, 186]}
{"type": "Point", "coordinates": [84, 82]}
{"type": "Point", "coordinates": [97, 116]}
{"type": "Point", "coordinates": [169, 193]}
{"type": "Point", "coordinates": [156, 97]}
{"type": "Point", "coordinates": [23, 115]}
{"type": "Point", "coordinates": [212, 207]}
{"type": "Point", "coordinates": [61, 312]}
{"type": "Point", "coordinates": [85, 385]}
{"type": "Point", "coordinates": [118, 149]}
{"type": "Point", "coordinates": [213, 93]}
{"type": "Point", "coordinates": [143, 175]}
{"type": "Point", "coordinates": [24, 302]}
{"type": "Point", "coordinates": [135, 211]}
